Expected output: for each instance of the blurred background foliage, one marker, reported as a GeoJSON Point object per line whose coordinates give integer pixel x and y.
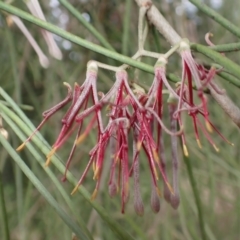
{"type": "Point", "coordinates": [22, 77]}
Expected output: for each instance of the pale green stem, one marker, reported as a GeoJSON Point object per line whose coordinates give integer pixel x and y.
{"type": "Point", "coordinates": [94, 47]}
{"type": "Point", "coordinates": [126, 26]}
{"type": "Point", "coordinates": [217, 17]}
{"type": "Point", "coordinates": [142, 12]}
{"type": "Point", "coordinates": [5, 227]}
{"type": "Point", "coordinates": [86, 24]}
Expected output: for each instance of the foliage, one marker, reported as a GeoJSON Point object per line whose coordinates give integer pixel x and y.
{"type": "Point", "coordinates": [35, 204]}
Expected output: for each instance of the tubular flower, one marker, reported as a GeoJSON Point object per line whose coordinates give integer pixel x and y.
{"type": "Point", "coordinates": [194, 74]}
{"type": "Point", "coordinates": [132, 111]}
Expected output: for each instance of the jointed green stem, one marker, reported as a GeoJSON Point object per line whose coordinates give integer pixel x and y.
{"type": "Point", "coordinates": [217, 17]}
{"type": "Point", "coordinates": [230, 47]}
{"type": "Point", "coordinates": [229, 78]}
{"type": "Point", "coordinates": [75, 39]}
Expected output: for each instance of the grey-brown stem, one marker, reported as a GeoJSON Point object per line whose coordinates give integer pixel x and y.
{"type": "Point", "coordinates": [227, 105]}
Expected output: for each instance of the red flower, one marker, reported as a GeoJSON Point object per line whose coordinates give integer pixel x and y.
{"type": "Point", "coordinates": [137, 113]}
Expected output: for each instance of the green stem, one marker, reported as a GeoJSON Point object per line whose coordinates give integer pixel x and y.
{"type": "Point", "coordinates": [230, 47]}
{"type": "Point", "coordinates": [6, 234]}
{"type": "Point", "coordinates": [229, 78]}
{"type": "Point", "coordinates": [196, 195]}
{"type": "Point", "coordinates": [22, 106]}
{"type": "Point", "coordinates": [27, 126]}
{"type": "Point", "coordinates": [73, 38]}
{"type": "Point", "coordinates": [126, 26]}
{"type": "Point", "coordinates": [217, 17]}
{"type": "Point", "coordinates": [18, 172]}
{"type": "Point", "coordinates": [228, 65]}
{"type": "Point", "coordinates": [36, 182]}
{"type": "Point", "coordinates": [49, 172]}
{"type": "Point", "coordinates": [87, 25]}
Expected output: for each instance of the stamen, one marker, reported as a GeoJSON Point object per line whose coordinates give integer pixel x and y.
{"type": "Point", "coordinates": [30, 137]}
{"type": "Point", "coordinates": [170, 187]}
{"type": "Point", "coordinates": [96, 173]}
{"type": "Point", "coordinates": [94, 166]}
{"type": "Point", "coordinates": [158, 191]}
{"type": "Point", "coordinates": [94, 195]}
{"type": "Point", "coordinates": [185, 151]}
{"type": "Point", "coordinates": [155, 173]}
{"type": "Point", "coordinates": [208, 126]}
{"type": "Point", "coordinates": [49, 156]}
{"type": "Point", "coordinates": [199, 143]}
{"type": "Point", "coordinates": [216, 148]}
{"type": "Point", "coordinates": [156, 157]}
{"type": "Point", "coordinates": [83, 175]}
{"type": "Point", "coordinates": [80, 138]}
{"type": "Point", "coordinates": [21, 146]}
{"type": "Point", "coordinates": [89, 127]}
{"type": "Point", "coordinates": [75, 189]}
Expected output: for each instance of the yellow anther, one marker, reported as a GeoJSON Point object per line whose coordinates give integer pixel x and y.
{"type": "Point", "coordinates": [126, 187]}
{"type": "Point", "coordinates": [75, 189]}
{"type": "Point", "coordinates": [108, 107]}
{"type": "Point", "coordinates": [96, 173]}
{"type": "Point", "coordinates": [94, 166]}
{"type": "Point", "coordinates": [9, 21]}
{"type": "Point", "coordinates": [67, 84]}
{"type": "Point", "coordinates": [80, 139]}
{"type": "Point", "coordinates": [155, 173]}
{"type": "Point", "coordinates": [155, 156]}
{"type": "Point", "coordinates": [170, 188]}
{"type": "Point", "coordinates": [21, 147]}
{"type": "Point", "coordinates": [139, 145]}
{"type": "Point", "coordinates": [94, 194]}
{"type": "Point", "coordinates": [49, 156]}
{"type": "Point", "coordinates": [199, 143]}
{"type": "Point", "coordinates": [117, 159]}
{"type": "Point", "coordinates": [185, 151]}
{"type": "Point", "coordinates": [158, 192]}
{"type": "Point", "coordinates": [216, 148]}
{"type": "Point", "coordinates": [75, 84]}
{"type": "Point", "coordinates": [208, 126]}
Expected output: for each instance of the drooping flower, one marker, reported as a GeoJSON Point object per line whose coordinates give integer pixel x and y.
{"type": "Point", "coordinates": [138, 113]}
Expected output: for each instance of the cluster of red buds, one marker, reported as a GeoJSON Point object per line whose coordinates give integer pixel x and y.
{"type": "Point", "coordinates": [136, 113]}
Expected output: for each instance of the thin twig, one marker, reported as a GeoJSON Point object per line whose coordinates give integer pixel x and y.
{"type": "Point", "coordinates": [227, 105]}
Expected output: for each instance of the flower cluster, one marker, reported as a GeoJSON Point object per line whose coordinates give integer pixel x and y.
{"type": "Point", "coordinates": [137, 113]}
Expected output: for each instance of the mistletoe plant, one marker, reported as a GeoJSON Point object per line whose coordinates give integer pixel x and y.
{"type": "Point", "coordinates": [136, 115]}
